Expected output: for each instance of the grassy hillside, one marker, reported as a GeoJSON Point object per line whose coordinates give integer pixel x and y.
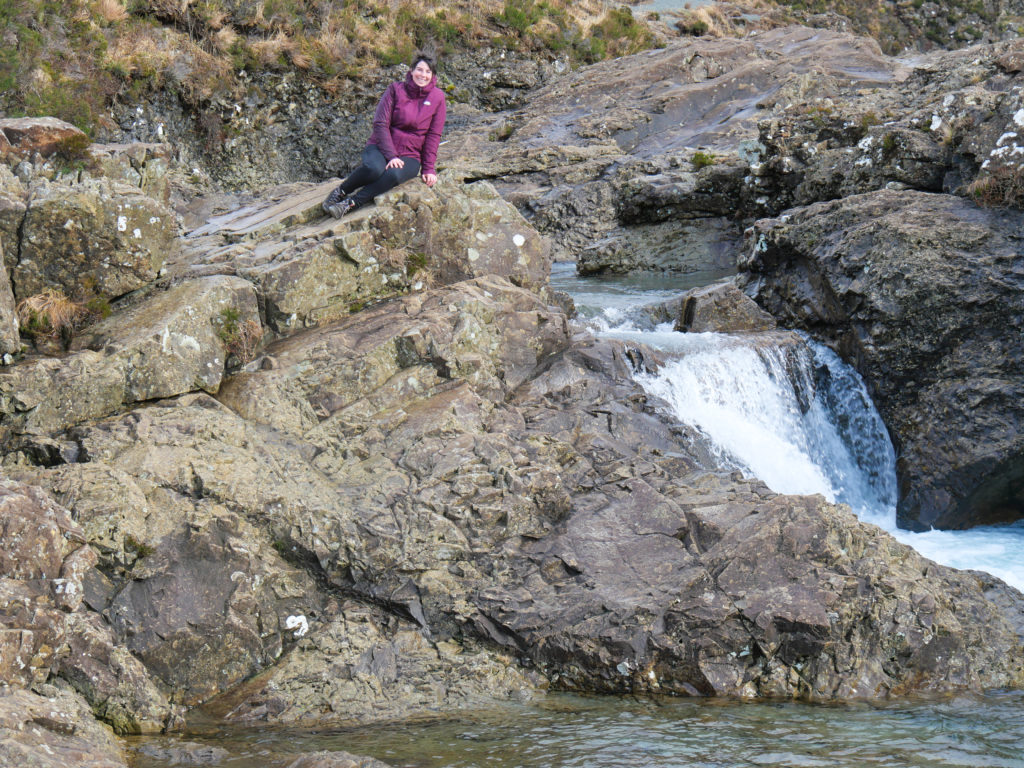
{"type": "Point", "coordinates": [73, 58]}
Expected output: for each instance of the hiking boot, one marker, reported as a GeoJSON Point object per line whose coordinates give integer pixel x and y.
{"type": "Point", "coordinates": [340, 209]}
{"type": "Point", "coordinates": [336, 196]}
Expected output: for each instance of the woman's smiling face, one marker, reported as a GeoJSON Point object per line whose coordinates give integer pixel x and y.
{"type": "Point", "coordinates": [422, 74]}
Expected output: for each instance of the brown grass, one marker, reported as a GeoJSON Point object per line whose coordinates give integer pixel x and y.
{"type": "Point", "coordinates": [1001, 188]}
{"type": "Point", "coordinates": [50, 313]}
{"type": "Point", "coordinates": [110, 11]}
{"type": "Point", "coordinates": [246, 340]}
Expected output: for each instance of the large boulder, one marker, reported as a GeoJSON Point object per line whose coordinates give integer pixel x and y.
{"type": "Point", "coordinates": [171, 343]}
{"type": "Point", "coordinates": [458, 232]}
{"type": "Point", "coordinates": [723, 308]}
{"type": "Point", "coordinates": [26, 136]}
{"type": "Point", "coordinates": [310, 270]}
{"type": "Point", "coordinates": [95, 238]}
{"type": "Point", "coordinates": [921, 293]}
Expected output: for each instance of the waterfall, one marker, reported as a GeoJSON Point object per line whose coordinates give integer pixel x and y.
{"type": "Point", "coordinates": [788, 411]}
{"type": "Point", "coordinates": [792, 415]}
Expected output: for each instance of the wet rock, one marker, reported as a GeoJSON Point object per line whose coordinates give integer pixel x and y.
{"type": "Point", "coordinates": [335, 760]}
{"type": "Point", "coordinates": [97, 238]}
{"type": "Point", "coordinates": [185, 753]}
{"type": "Point", "coordinates": [54, 729]}
{"type": "Point", "coordinates": [115, 683]}
{"type": "Point", "coordinates": [917, 291]}
{"type": "Point", "coordinates": [210, 606]}
{"type": "Point", "coordinates": [371, 667]}
{"type": "Point", "coordinates": [721, 307]}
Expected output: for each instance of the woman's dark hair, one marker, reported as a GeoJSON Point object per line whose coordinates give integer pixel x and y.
{"type": "Point", "coordinates": [426, 59]}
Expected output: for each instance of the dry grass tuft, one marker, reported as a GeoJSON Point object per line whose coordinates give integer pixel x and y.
{"type": "Point", "coordinates": [271, 51]}
{"type": "Point", "coordinates": [1001, 188]}
{"type": "Point", "coordinates": [50, 313]}
{"type": "Point", "coordinates": [246, 341]}
{"type": "Point", "coordinates": [224, 38]}
{"type": "Point", "coordinates": [110, 11]}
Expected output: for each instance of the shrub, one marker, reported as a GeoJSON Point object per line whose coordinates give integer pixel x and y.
{"type": "Point", "coordinates": [242, 339]}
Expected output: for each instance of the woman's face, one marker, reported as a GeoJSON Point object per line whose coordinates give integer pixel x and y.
{"type": "Point", "coordinates": [422, 74]}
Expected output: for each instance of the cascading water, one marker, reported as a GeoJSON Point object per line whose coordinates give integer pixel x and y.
{"type": "Point", "coordinates": [794, 415]}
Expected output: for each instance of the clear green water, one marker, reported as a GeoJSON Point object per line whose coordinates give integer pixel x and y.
{"type": "Point", "coordinates": [606, 732]}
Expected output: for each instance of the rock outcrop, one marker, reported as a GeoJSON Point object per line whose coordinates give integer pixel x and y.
{"type": "Point", "coordinates": [316, 471]}
{"type": "Point", "coordinates": [54, 729]}
{"type": "Point", "coordinates": [643, 161]}
{"type": "Point", "coordinates": [918, 291]}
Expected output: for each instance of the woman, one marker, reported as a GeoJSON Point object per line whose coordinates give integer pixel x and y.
{"type": "Point", "coordinates": [406, 133]}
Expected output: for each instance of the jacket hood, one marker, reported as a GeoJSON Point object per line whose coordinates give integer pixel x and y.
{"type": "Point", "coordinates": [414, 90]}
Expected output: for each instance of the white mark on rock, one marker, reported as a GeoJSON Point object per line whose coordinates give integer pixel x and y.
{"type": "Point", "coordinates": [519, 240]}
{"type": "Point", "coordinates": [137, 233]}
{"type": "Point", "coordinates": [1018, 117]}
{"type": "Point", "coordinates": [936, 123]}
{"type": "Point", "coordinates": [1005, 136]}
{"type": "Point", "coordinates": [298, 623]}
{"type": "Point", "coordinates": [122, 223]}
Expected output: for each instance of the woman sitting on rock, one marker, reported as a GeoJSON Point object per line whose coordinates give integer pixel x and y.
{"type": "Point", "coordinates": [406, 133]}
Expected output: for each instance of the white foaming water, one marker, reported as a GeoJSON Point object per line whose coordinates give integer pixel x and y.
{"type": "Point", "coordinates": [800, 419]}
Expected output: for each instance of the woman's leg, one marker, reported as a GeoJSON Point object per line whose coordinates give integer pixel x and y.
{"type": "Point", "coordinates": [392, 177]}
{"type": "Point", "coordinates": [371, 169]}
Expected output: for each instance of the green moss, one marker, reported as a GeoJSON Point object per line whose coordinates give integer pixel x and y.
{"type": "Point", "coordinates": [139, 549]}
{"type": "Point", "coordinates": [414, 263]}
{"type": "Point", "coordinates": [702, 160]}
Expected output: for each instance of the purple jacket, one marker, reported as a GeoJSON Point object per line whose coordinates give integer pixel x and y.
{"type": "Point", "coordinates": [408, 122]}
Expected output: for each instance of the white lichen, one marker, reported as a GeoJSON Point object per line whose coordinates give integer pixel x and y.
{"type": "Point", "coordinates": [298, 623]}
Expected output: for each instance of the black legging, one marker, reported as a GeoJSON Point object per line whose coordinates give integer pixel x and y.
{"type": "Point", "coordinates": [374, 177]}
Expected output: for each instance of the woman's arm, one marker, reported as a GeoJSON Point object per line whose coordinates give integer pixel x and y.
{"type": "Point", "coordinates": [428, 155]}
{"type": "Point", "coordinates": [381, 135]}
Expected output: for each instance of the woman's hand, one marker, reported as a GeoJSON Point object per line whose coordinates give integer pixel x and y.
{"type": "Point", "coordinates": [430, 179]}
{"type": "Point", "coordinates": [395, 162]}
